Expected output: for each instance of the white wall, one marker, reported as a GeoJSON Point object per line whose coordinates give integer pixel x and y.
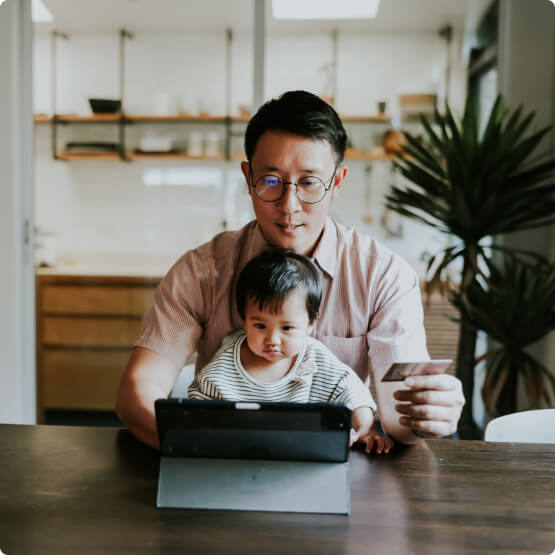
{"type": "Point", "coordinates": [103, 206]}
{"type": "Point", "coordinates": [17, 345]}
{"type": "Point", "coordinates": [527, 76]}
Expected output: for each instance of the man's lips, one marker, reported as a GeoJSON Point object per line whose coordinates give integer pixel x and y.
{"type": "Point", "coordinates": [288, 226]}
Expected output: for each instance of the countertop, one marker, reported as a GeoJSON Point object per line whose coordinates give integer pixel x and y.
{"type": "Point", "coordinates": [155, 266]}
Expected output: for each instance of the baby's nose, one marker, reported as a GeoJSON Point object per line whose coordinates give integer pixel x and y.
{"type": "Point", "coordinates": [273, 337]}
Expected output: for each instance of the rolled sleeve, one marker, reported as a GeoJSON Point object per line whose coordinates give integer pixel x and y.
{"type": "Point", "coordinates": [173, 325]}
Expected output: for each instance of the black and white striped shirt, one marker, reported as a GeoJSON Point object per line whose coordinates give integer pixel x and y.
{"type": "Point", "coordinates": [317, 376]}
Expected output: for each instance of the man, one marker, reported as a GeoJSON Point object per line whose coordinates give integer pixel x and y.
{"type": "Point", "coordinates": [371, 312]}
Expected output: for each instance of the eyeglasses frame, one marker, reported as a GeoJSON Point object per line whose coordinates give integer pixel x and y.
{"type": "Point", "coordinates": [326, 188]}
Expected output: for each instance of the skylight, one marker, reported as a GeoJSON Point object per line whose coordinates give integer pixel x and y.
{"type": "Point", "coordinates": [325, 9]}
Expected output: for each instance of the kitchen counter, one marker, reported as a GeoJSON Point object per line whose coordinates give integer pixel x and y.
{"type": "Point", "coordinates": [111, 265]}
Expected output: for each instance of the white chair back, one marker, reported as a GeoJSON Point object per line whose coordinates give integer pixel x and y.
{"type": "Point", "coordinates": [530, 426]}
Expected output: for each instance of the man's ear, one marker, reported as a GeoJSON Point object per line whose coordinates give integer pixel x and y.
{"type": "Point", "coordinates": [340, 175]}
{"type": "Point", "coordinates": [245, 168]}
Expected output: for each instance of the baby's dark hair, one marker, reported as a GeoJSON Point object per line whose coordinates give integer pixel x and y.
{"type": "Point", "coordinates": [270, 277]}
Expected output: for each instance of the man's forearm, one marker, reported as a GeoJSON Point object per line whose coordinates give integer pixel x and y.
{"type": "Point", "coordinates": [148, 377]}
{"type": "Point", "coordinates": [141, 422]}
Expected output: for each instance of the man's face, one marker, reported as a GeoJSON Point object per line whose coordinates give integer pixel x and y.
{"type": "Point", "coordinates": [289, 223]}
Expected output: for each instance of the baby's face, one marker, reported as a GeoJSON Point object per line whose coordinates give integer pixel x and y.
{"type": "Point", "coordinates": [275, 337]}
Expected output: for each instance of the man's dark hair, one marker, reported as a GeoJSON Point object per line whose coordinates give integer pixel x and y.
{"type": "Point", "coordinates": [270, 277]}
{"type": "Point", "coordinates": [301, 113]}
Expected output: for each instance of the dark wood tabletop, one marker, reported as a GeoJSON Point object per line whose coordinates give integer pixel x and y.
{"type": "Point", "coordinates": [93, 490]}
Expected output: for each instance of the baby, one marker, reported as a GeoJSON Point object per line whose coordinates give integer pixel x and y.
{"type": "Point", "coordinates": [274, 358]}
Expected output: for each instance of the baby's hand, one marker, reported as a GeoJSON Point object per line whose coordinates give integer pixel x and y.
{"type": "Point", "coordinates": [372, 439]}
{"type": "Point", "coordinates": [381, 443]}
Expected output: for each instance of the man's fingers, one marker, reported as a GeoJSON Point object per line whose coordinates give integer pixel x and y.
{"type": "Point", "coordinates": [440, 382]}
{"type": "Point", "coordinates": [426, 412]}
{"type": "Point", "coordinates": [430, 428]}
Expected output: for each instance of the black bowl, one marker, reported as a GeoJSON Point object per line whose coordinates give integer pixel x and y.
{"type": "Point", "coordinates": [105, 106]}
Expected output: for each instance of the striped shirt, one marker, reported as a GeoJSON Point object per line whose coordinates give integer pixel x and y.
{"type": "Point", "coordinates": [371, 313]}
{"type": "Point", "coordinates": [316, 376]}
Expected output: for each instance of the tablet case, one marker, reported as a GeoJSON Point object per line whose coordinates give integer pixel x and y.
{"type": "Point", "coordinates": [253, 456]}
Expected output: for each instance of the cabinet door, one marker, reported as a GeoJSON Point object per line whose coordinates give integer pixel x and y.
{"type": "Point", "coordinates": [90, 332]}
{"type": "Point", "coordinates": [96, 299]}
{"type": "Point", "coordinates": [81, 378]}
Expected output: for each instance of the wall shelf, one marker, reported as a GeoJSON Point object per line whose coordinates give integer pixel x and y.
{"type": "Point", "coordinates": [169, 156]}
{"type": "Point", "coordinates": [123, 120]}
{"type": "Point", "coordinates": [379, 118]}
{"type": "Point", "coordinates": [356, 154]}
{"type": "Point", "coordinates": [88, 156]}
{"type": "Point", "coordinates": [95, 118]}
{"type": "Point", "coordinates": [179, 118]}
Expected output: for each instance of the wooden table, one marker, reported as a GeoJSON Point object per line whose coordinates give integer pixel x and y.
{"type": "Point", "coordinates": [92, 490]}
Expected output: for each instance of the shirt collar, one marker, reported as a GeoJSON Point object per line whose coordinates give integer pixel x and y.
{"type": "Point", "coordinates": [325, 253]}
{"type": "Point", "coordinates": [257, 243]}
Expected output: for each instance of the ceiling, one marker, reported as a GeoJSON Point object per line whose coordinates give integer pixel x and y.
{"type": "Point", "coordinates": [96, 16]}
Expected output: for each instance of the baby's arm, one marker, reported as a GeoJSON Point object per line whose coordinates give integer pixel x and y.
{"type": "Point", "coordinates": [365, 431]}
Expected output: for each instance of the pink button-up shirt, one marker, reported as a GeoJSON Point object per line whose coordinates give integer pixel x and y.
{"type": "Point", "coordinates": [371, 313]}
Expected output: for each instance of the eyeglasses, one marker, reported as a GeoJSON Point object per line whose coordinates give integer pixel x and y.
{"type": "Point", "coordinates": [309, 189]}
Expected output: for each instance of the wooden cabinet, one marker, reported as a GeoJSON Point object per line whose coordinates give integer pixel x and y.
{"type": "Point", "coordinates": [86, 327]}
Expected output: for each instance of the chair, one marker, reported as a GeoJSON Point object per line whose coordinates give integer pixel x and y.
{"type": "Point", "coordinates": [530, 426]}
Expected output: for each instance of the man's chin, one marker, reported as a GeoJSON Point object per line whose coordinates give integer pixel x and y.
{"type": "Point", "coordinates": [289, 238]}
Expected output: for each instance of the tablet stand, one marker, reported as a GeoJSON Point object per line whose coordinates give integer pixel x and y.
{"type": "Point", "coordinates": [254, 485]}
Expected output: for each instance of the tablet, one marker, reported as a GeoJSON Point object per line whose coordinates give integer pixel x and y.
{"type": "Point", "coordinates": [265, 430]}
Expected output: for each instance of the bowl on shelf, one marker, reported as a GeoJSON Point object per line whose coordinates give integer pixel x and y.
{"type": "Point", "coordinates": [105, 105]}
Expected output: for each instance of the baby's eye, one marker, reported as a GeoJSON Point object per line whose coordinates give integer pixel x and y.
{"type": "Point", "coordinates": [288, 328]}
{"type": "Point", "coordinates": [259, 326]}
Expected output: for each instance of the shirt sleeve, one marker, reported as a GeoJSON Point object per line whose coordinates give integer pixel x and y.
{"type": "Point", "coordinates": [352, 392]}
{"type": "Point", "coordinates": [173, 325]}
{"type": "Point", "coordinates": [397, 331]}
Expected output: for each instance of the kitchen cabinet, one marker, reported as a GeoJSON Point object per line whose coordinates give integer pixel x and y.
{"type": "Point", "coordinates": [86, 327]}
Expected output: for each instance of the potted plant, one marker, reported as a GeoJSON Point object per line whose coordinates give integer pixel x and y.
{"type": "Point", "coordinates": [516, 308]}
{"type": "Point", "coordinates": [474, 187]}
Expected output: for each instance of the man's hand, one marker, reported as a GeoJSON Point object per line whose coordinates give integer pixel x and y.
{"type": "Point", "coordinates": [432, 404]}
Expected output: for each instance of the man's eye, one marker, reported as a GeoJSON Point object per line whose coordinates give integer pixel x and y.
{"type": "Point", "coordinates": [259, 326]}
{"type": "Point", "coordinates": [271, 181]}
{"type": "Point", "coordinates": [308, 182]}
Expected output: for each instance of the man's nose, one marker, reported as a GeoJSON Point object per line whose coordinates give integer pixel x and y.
{"type": "Point", "coordinates": [290, 202]}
